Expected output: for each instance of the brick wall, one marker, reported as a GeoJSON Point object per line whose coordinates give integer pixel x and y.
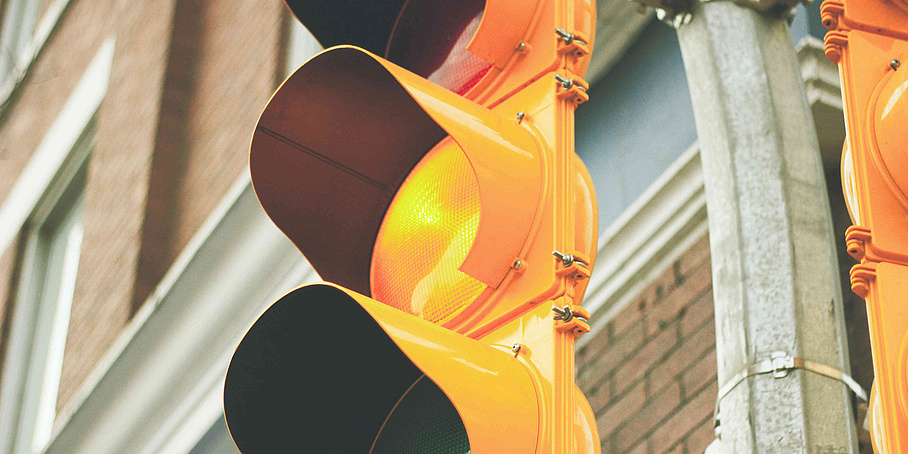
{"type": "Point", "coordinates": [223, 65]}
{"type": "Point", "coordinates": [650, 374]}
{"type": "Point", "coordinates": [24, 123]}
{"type": "Point", "coordinates": [235, 59]}
{"type": "Point", "coordinates": [117, 182]}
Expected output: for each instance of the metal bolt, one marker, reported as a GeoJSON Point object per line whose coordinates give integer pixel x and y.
{"type": "Point", "coordinates": [515, 348]}
{"type": "Point", "coordinates": [566, 314]}
{"type": "Point", "coordinates": [566, 259]}
{"type": "Point", "coordinates": [520, 115]}
{"type": "Point", "coordinates": [565, 82]}
{"type": "Point", "coordinates": [565, 36]}
{"type": "Point", "coordinates": [894, 64]}
{"type": "Point", "coordinates": [517, 264]}
{"type": "Point", "coordinates": [563, 313]}
{"type": "Point", "coordinates": [521, 47]}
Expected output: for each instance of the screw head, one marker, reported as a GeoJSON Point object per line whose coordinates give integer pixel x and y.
{"type": "Point", "coordinates": [520, 115]}
{"type": "Point", "coordinates": [517, 264]}
{"type": "Point", "coordinates": [521, 47]}
{"type": "Point", "coordinates": [515, 348]}
{"type": "Point", "coordinates": [894, 64]}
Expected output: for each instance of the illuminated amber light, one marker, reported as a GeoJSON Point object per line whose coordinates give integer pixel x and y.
{"type": "Point", "coordinates": [426, 235]}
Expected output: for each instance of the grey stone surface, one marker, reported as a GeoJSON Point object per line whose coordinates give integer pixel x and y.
{"type": "Point", "coordinates": [775, 276]}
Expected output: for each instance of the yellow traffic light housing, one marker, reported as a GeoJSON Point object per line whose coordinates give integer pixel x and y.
{"type": "Point", "coordinates": [487, 49]}
{"type": "Point", "coordinates": [456, 225]}
{"type": "Point", "coordinates": [340, 368]}
{"type": "Point", "coordinates": [869, 41]}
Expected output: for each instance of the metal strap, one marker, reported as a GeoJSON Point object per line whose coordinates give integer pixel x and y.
{"type": "Point", "coordinates": [780, 364]}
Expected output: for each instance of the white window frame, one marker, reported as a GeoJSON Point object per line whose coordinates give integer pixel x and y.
{"type": "Point", "coordinates": [24, 43]}
{"type": "Point", "coordinates": [43, 181]}
{"type": "Point", "coordinates": [19, 20]}
{"type": "Point", "coordinates": [45, 298]}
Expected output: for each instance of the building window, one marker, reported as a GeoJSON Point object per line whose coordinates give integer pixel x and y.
{"type": "Point", "coordinates": [44, 211]}
{"type": "Point", "coordinates": [57, 247]}
{"type": "Point", "coordinates": [50, 264]}
{"type": "Point", "coordinates": [638, 122]}
{"type": "Point", "coordinates": [16, 31]}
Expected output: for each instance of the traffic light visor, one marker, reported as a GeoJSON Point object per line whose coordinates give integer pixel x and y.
{"type": "Point", "coordinates": [347, 134]}
{"type": "Point", "coordinates": [454, 44]}
{"type": "Point", "coordinates": [366, 24]}
{"type": "Point", "coordinates": [330, 371]}
{"type": "Point", "coordinates": [430, 38]}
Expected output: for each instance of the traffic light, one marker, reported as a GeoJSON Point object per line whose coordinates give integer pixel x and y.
{"type": "Point", "coordinates": [438, 191]}
{"type": "Point", "coordinates": [869, 41]}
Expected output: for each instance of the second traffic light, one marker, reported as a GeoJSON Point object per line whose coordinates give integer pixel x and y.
{"type": "Point", "coordinates": [869, 41]}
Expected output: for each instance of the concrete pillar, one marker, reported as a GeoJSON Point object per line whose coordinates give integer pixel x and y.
{"type": "Point", "coordinates": [775, 278]}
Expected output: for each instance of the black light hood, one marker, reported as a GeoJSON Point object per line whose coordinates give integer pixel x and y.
{"type": "Point", "coordinates": [362, 23]}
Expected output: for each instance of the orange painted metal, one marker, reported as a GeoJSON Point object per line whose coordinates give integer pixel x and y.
{"type": "Point", "coordinates": [492, 391]}
{"type": "Point", "coordinates": [869, 41]}
{"type": "Point", "coordinates": [537, 53]}
{"type": "Point", "coordinates": [499, 396]}
{"type": "Point", "coordinates": [502, 30]}
{"type": "Point", "coordinates": [876, 423]}
{"type": "Point", "coordinates": [336, 394]}
{"type": "Point", "coordinates": [332, 162]}
{"type": "Point", "coordinates": [355, 175]}
{"type": "Point", "coordinates": [516, 39]}
{"type": "Point", "coordinates": [511, 158]}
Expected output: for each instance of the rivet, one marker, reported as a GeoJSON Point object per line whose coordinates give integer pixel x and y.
{"type": "Point", "coordinates": [515, 348]}
{"type": "Point", "coordinates": [517, 264]}
{"type": "Point", "coordinates": [521, 47]}
{"type": "Point", "coordinates": [894, 64]}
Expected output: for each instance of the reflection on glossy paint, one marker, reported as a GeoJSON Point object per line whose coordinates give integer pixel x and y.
{"type": "Point", "coordinates": [848, 181]}
{"type": "Point", "coordinates": [896, 96]}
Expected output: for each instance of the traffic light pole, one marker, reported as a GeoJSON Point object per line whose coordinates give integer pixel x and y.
{"type": "Point", "coordinates": [775, 280]}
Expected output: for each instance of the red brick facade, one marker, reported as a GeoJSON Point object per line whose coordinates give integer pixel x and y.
{"type": "Point", "coordinates": [215, 64]}
{"type": "Point", "coordinates": [650, 374]}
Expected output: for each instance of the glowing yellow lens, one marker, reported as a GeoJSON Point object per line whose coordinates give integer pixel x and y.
{"type": "Point", "coordinates": [426, 235]}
